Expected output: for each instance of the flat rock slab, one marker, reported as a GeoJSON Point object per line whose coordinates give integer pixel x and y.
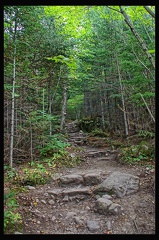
{"type": "Point", "coordinates": [119, 183]}
{"type": "Point", "coordinates": [95, 153]}
{"type": "Point", "coordinates": [75, 191]}
{"type": "Point", "coordinates": [58, 192]}
{"type": "Point", "coordinates": [71, 178]}
{"type": "Point", "coordinates": [110, 157]}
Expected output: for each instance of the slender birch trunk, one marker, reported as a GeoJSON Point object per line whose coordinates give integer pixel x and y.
{"type": "Point", "coordinates": [43, 101]}
{"type": "Point", "coordinates": [102, 109]}
{"type": "Point", "coordinates": [50, 115]}
{"type": "Point", "coordinates": [123, 101]}
{"type": "Point", "coordinates": [31, 142]}
{"type": "Point", "coordinates": [7, 116]}
{"type": "Point", "coordinates": [63, 118]}
{"type": "Point", "coordinates": [13, 99]}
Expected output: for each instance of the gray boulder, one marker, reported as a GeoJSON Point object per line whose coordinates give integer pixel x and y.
{"type": "Point", "coordinates": [102, 205]}
{"type": "Point", "coordinates": [119, 183]}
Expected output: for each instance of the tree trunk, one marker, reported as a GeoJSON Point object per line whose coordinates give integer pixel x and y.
{"type": "Point", "coordinates": [43, 101]}
{"type": "Point", "coordinates": [142, 43]}
{"type": "Point", "coordinates": [63, 117]}
{"type": "Point", "coordinates": [13, 100]}
{"type": "Point", "coordinates": [122, 98]}
{"type": "Point", "coordinates": [102, 109]}
{"type": "Point", "coordinates": [149, 11]}
{"type": "Point", "coordinates": [50, 115]}
{"type": "Point", "coordinates": [31, 142]}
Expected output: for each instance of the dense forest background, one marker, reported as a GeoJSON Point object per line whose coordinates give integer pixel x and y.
{"type": "Point", "coordinates": [94, 64]}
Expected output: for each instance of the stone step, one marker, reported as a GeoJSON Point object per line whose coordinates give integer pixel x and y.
{"type": "Point", "coordinates": [89, 178]}
{"type": "Point", "coordinates": [78, 138]}
{"type": "Point", "coordinates": [60, 192]}
{"type": "Point", "coordinates": [110, 157]}
{"type": "Point", "coordinates": [96, 153]}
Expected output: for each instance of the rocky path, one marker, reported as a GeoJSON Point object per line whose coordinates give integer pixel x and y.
{"type": "Point", "coordinates": [100, 196]}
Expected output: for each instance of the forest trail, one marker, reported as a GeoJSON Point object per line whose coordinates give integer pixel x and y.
{"type": "Point", "coordinates": [75, 201]}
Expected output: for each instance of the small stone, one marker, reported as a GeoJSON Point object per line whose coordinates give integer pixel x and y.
{"type": "Point", "coordinates": [30, 187]}
{"type": "Point", "coordinates": [97, 196]}
{"type": "Point", "coordinates": [46, 194]}
{"type": "Point", "coordinates": [53, 218]}
{"type": "Point", "coordinates": [82, 213]}
{"type": "Point", "coordinates": [72, 155]}
{"type": "Point", "coordinates": [92, 225]}
{"type": "Point", "coordinates": [115, 209]}
{"type": "Point", "coordinates": [108, 225]}
{"type": "Point", "coordinates": [51, 202]}
{"type": "Point", "coordinates": [70, 215]}
{"type": "Point", "coordinates": [36, 212]}
{"type": "Point", "coordinates": [43, 201]}
{"type": "Point", "coordinates": [38, 222]}
{"type": "Point", "coordinates": [18, 233]}
{"type": "Point", "coordinates": [107, 196]}
{"type": "Point", "coordinates": [87, 208]}
{"type": "Point", "coordinates": [71, 198]}
{"type": "Point", "coordinates": [66, 199]}
{"type": "Point", "coordinates": [77, 220]}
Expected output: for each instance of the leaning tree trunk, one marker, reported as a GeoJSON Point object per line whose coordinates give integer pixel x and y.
{"type": "Point", "coordinates": [149, 11]}
{"type": "Point", "coordinates": [142, 43]}
{"type": "Point", "coordinates": [63, 117]}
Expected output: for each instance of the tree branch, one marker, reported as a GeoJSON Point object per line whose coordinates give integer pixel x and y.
{"type": "Point", "coordinates": [147, 107]}
{"type": "Point", "coordinates": [113, 9]}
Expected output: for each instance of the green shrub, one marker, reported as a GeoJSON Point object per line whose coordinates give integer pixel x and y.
{"type": "Point", "coordinates": [54, 146]}
{"type": "Point", "coordinates": [87, 124]}
{"type": "Point", "coordinates": [137, 153]}
{"type": "Point", "coordinates": [12, 219]}
{"type": "Point", "coordinates": [99, 133]}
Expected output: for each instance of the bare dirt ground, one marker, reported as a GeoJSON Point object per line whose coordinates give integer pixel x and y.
{"type": "Point", "coordinates": [44, 213]}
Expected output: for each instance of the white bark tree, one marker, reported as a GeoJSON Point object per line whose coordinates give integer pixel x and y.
{"type": "Point", "coordinates": [13, 95]}
{"type": "Point", "coordinates": [64, 105]}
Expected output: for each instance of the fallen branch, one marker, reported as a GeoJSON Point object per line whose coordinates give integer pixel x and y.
{"type": "Point", "coordinates": [136, 225]}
